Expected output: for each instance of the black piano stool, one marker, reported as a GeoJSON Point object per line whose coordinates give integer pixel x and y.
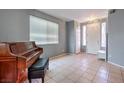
{"type": "Point", "coordinates": [38, 69]}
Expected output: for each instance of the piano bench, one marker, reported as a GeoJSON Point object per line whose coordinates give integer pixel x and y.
{"type": "Point", "coordinates": [38, 69]}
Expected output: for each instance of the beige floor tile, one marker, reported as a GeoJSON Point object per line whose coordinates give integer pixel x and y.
{"type": "Point", "coordinates": [66, 80]}
{"type": "Point", "coordinates": [114, 67]}
{"type": "Point", "coordinates": [115, 75]}
{"type": "Point", "coordinates": [98, 79]}
{"type": "Point", "coordinates": [26, 81]}
{"type": "Point", "coordinates": [52, 73]}
{"type": "Point", "coordinates": [90, 71]}
{"type": "Point", "coordinates": [83, 68]}
{"type": "Point", "coordinates": [46, 78]}
{"type": "Point", "coordinates": [115, 71]}
{"type": "Point", "coordinates": [58, 77]}
{"type": "Point", "coordinates": [115, 78]}
{"type": "Point", "coordinates": [71, 69]}
{"type": "Point", "coordinates": [93, 68]}
{"type": "Point", "coordinates": [103, 70]}
{"type": "Point", "coordinates": [102, 75]}
{"type": "Point", "coordinates": [66, 73]}
{"type": "Point", "coordinates": [88, 76]}
{"type": "Point", "coordinates": [51, 81]}
{"type": "Point", "coordinates": [79, 72]}
{"type": "Point", "coordinates": [84, 80]}
{"type": "Point", "coordinates": [74, 76]}
{"type": "Point", "coordinates": [122, 69]}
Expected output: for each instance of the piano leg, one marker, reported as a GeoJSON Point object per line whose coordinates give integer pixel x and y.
{"type": "Point", "coordinates": [42, 79]}
{"type": "Point", "coordinates": [47, 67]}
{"type": "Point", "coordinates": [29, 80]}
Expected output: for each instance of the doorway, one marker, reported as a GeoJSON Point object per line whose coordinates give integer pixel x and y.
{"type": "Point", "coordinates": [93, 38]}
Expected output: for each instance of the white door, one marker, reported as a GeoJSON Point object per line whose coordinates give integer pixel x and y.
{"type": "Point", "coordinates": [93, 38]}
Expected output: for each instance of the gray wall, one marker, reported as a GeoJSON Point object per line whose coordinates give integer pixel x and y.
{"type": "Point", "coordinates": [14, 26]}
{"type": "Point", "coordinates": [71, 40]}
{"type": "Point", "coordinates": [116, 37]}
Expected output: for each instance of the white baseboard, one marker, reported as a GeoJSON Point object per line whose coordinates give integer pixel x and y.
{"type": "Point", "coordinates": [115, 64]}
{"type": "Point", "coordinates": [63, 54]}
{"type": "Point", "coordinates": [60, 55]}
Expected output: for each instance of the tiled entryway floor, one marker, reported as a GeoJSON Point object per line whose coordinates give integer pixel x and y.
{"type": "Point", "coordinates": [82, 68]}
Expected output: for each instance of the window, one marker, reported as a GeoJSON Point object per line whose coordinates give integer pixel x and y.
{"type": "Point", "coordinates": [43, 31]}
{"type": "Point", "coordinates": [103, 34]}
{"type": "Point", "coordinates": [84, 35]}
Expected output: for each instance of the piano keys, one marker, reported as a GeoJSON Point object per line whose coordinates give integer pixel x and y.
{"type": "Point", "coordinates": [15, 59]}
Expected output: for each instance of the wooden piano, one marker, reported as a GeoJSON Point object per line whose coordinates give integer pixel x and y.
{"type": "Point", "coordinates": [15, 59]}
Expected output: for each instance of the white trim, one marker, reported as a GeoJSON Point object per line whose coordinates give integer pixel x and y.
{"type": "Point", "coordinates": [115, 64]}
{"type": "Point", "coordinates": [63, 54]}
{"type": "Point", "coordinates": [60, 55]}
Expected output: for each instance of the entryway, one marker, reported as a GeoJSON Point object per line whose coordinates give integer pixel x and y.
{"type": "Point", "coordinates": [94, 38]}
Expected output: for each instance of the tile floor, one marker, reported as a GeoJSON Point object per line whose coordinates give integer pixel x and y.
{"type": "Point", "coordinates": [82, 68]}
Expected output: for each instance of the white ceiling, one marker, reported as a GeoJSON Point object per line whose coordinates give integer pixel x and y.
{"type": "Point", "coordinates": [80, 15]}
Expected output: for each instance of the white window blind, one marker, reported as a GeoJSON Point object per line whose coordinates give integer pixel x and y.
{"type": "Point", "coordinates": [43, 31]}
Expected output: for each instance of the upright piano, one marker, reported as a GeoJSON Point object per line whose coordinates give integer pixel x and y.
{"type": "Point", "coordinates": [15, 59]}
